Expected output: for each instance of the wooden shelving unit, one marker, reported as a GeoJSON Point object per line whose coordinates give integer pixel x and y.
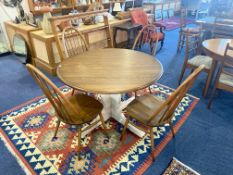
{"type": "Point", "coordinates": [71, 4]}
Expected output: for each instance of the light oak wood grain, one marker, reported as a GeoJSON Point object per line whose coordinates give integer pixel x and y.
{"type": "Point", "coordinates": [110, 71]}
{"type": "Point", "coordinates": [216, 47]}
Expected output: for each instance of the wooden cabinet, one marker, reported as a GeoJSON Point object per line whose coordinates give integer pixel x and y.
{"type": "Point", "coordinates": [46, 54]}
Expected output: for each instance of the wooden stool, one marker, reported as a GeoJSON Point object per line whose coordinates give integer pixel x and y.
{"type": "Point", "coordinates": [185, 31]}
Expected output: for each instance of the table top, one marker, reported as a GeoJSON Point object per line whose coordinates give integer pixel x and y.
{"type": "Point", "coordinates": [216, 47]}
{"type": "Point", "coordinates": [110, 71]}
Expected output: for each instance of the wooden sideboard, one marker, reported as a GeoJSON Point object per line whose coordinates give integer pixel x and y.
{"type": "Point", "coordinates": [45, 48]}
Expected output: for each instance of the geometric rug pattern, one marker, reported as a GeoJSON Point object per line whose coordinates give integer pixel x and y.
{"type": "Point", "coordinates": [173, 23]}
{"type": "Point", "coordinates": [27, 131]}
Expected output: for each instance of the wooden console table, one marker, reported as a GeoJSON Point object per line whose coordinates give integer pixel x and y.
{"type": "Point", "coordinates": [21, 29]}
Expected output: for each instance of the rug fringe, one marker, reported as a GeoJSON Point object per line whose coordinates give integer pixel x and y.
{"type": "Point", "coordinates": [189, 168]}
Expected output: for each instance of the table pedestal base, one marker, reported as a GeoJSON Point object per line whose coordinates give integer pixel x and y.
{"type": "Point", "coordinates": [113, 108]}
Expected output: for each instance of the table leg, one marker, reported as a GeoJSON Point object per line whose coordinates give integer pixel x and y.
{"type": "Point", "coordinates": [114, 37]}
{"type": "Point", "coordinates": [128, 41]}
{"type": "Point", "coordinates": [209, 78]}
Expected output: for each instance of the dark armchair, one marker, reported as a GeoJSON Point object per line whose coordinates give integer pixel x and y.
{"type": "Point", "coordinates": [139, 16]}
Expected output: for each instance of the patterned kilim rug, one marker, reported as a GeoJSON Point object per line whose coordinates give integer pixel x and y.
{"type": "Point", "coordinates": [27, 131]}
{"type": "Point", "coordinates": [173, 23]}
{"type": "Point", "coordinates": [178, 168]}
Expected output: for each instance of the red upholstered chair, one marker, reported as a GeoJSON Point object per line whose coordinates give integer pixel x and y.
{"type": "Point", "coordinates": [139, 16]}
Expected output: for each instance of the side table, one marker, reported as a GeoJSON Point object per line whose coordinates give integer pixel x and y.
{"type": "Point", "coordinates": [128, 27]}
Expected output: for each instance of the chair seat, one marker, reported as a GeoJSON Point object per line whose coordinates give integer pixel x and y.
{"type": "Point", "coordinates": [193, 30]}
{"type": "Point", "coordinates": [201, 59]}
{"type": "Point", "coordinates": [226, 79]}
{"type": "Point", "coordinates": [159, 35]}
{"type": "Point", "coordinates": [88, 108]}
{"type": "Point", "coordinates": [143, 107]}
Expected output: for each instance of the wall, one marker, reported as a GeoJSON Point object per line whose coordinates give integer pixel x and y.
{"type": "Point", "coordinates": [9, 13]}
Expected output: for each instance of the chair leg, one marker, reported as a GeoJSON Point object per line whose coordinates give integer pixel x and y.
{"type": "Point", "coordinates": [150, 90]}
{"type": "Point", "coordinates": [79, 142]}
{"type": "Point", "coordinates": [181, 74]}
{"type": "Point", "coordinates": [102, 121]}
{"type": "Point", "coordinates": [179, 40]}
{"type": "Point", "coordinates": [182, 42]}
{"type": "Point", "coordinates": [152, 143]}
{"type": "Point", "coordinates": [209, 77]}
{"type": "Point", "coordinates": [162, 42]}
{"type": "Point", "coordinates": [191, 71]}
{"type": "Point", "coordinates": [72, 93]}
{"type": "Point", "coordinates": [211, 97]}
{"type": "Point", "coordinates": [124, 129]}
{"type": "Point", "coordinates": [172, 129]}
{"type": "Point", "coordinates": [55, 134]}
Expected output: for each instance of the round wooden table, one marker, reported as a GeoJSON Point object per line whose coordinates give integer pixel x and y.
{"type": "Point", "coordinates": [110, 72]}
{"type": "Point", "coordinates": [215, 48]}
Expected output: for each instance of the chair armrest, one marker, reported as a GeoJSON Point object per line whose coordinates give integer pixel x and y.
{"type": "Point", "coordinates": [157, 24]}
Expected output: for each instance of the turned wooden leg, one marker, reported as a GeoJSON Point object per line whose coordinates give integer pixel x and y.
{"type": "Point", "coordinates": [179, 40]}
{"type": "Point", "coordinates": [79, 142]}
{"type": "Point", "coordinates": [211, 97]}
{"type": "Point", "coordinates": [172, 129]}
{"type": "Point", "coordinates": [72, 93]}
{"type": "Point", "coordinates": [102, 121]}
{"type": "Point", "coordinates": [55, 134]}
{"type": "Point", "coordinates": [150, 90]}
{"type": "Point", "coordinates": [124, 129]}
{"type": "Point", "coordinates": [182, 74]}
{"type": "Point", "coordinates": [182, 42]}
{"type": "Point", "coordinates": [152, 143]}
{"type": "Point", "coordinates": [209, 77]}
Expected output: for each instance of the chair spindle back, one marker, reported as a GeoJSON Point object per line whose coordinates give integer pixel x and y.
{"type": "Point", "coordinates": [61, 105]}
{"type": "Point", "coordinates": [183, 16]}
{"type": "Point", "coordinates": [145, 35]}
{"type": "Point", "coordinates": [227, 64]}
{"type": "Point", "coordinates": [175, 98]}
{"type": "Point", "coordinates": [73, 42]}
{"type": "Point", "coordinates": [193, 45]}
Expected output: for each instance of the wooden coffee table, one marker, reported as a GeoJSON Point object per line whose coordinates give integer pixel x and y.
{"type": "Point", "coordinates": [111, 72]}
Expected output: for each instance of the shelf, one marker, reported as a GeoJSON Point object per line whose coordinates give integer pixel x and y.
{"type": "Point", "coordinates": [80, 8]}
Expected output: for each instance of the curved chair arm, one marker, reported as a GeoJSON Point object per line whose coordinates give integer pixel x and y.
{"type": "Point", "coordinates": [159, 25]}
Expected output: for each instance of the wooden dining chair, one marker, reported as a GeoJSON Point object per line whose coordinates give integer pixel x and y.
{"type": "Point", "coordinates": [139, 16]}
{"type": "Point", "coordinates": [152, 112]}
{"type": "Point", "coordinates": [77, 110]}
{"type": "Point", "coordinates": [184, 30]}
{"type": "Point", "coordinates": [73, 42]}
{"type": "Point", "coordinates": [193, 59]}
{"type": "Point", "coordinates": [224, 78]}
{"type": "Point", "coordinates": [147, 35]}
